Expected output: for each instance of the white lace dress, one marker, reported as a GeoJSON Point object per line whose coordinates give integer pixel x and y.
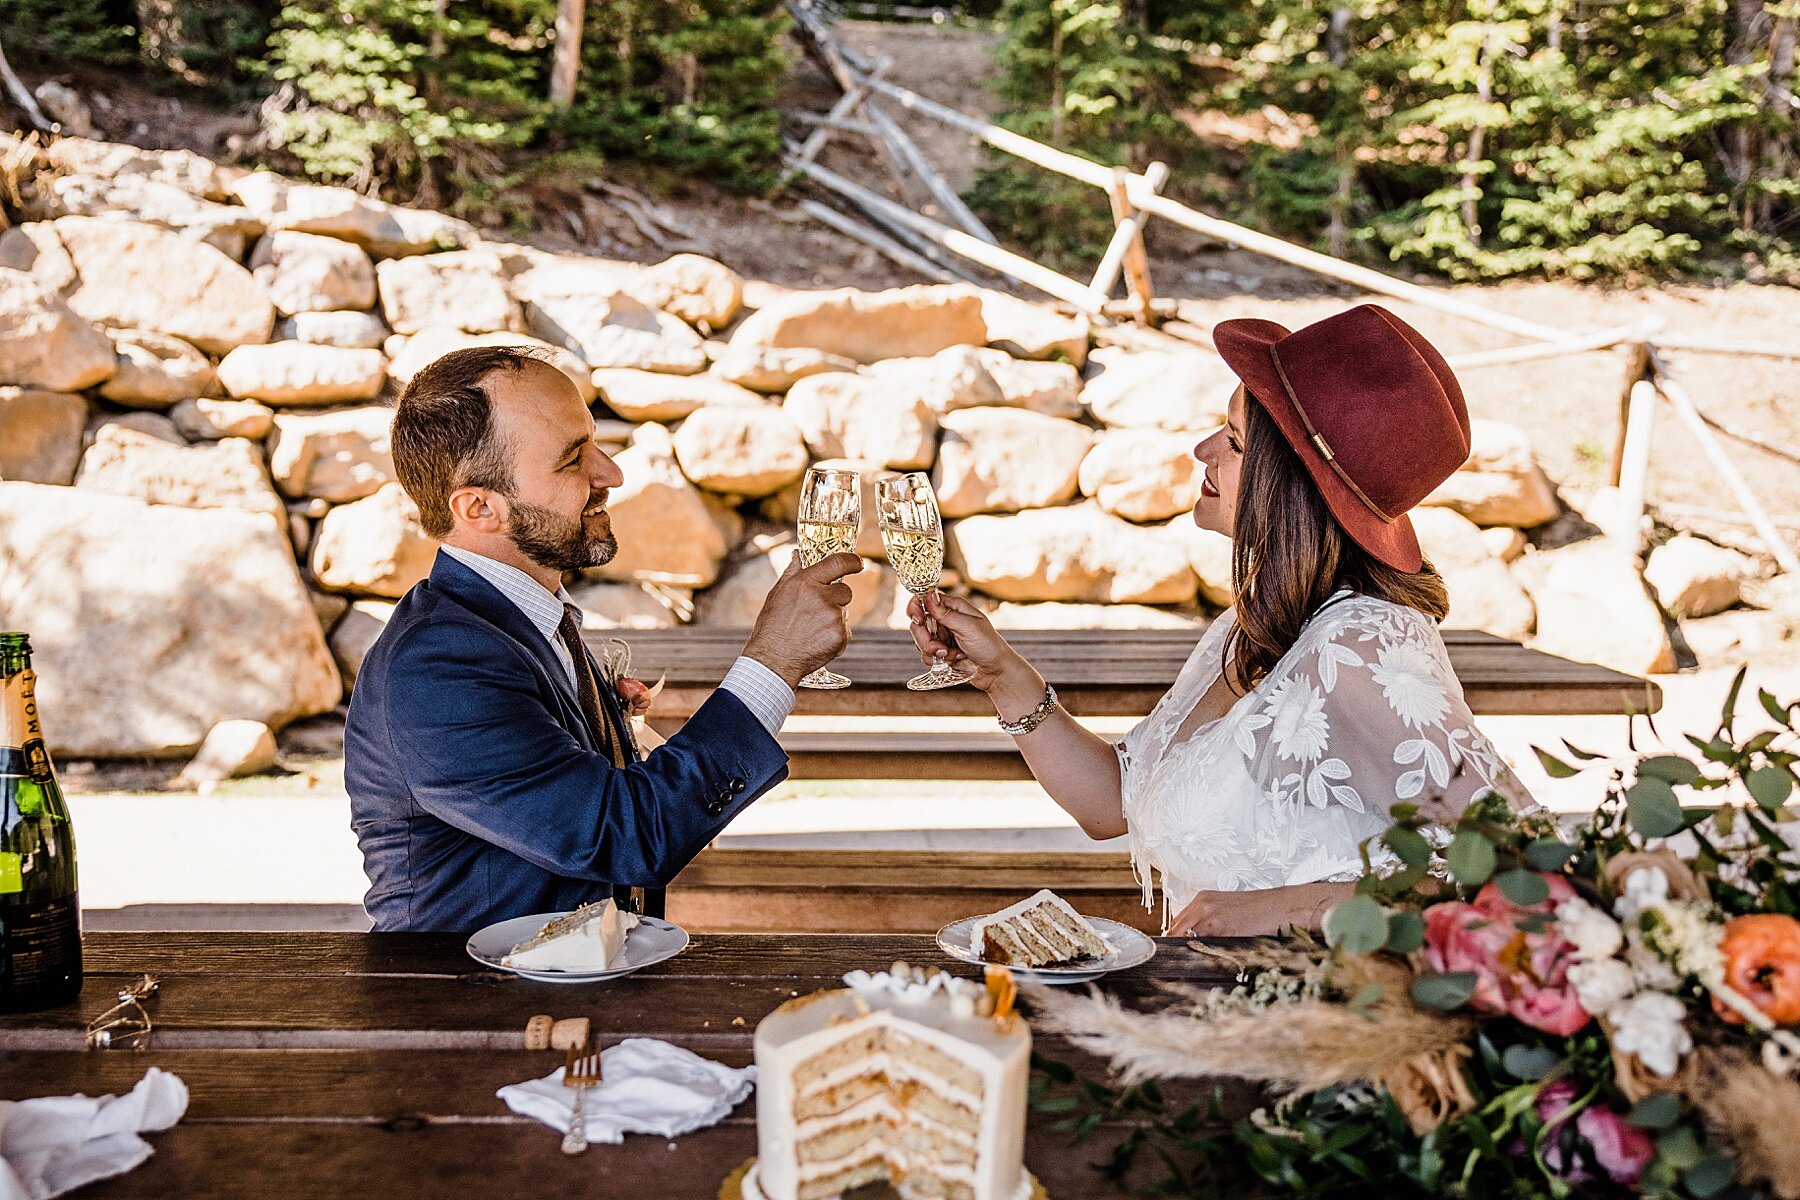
{"type": "Point", "coordinates": [1363, 711]}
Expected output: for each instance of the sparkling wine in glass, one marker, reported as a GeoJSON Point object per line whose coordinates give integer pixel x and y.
{"type": "Point", "coordinates": [913, 534]}
{"type": "Point", "coordinates": [830, 515]}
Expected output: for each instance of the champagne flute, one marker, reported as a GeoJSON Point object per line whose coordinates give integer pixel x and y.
{"type": "Point", "coordinates": [830, 516]}
{"type": "Point", "coordinates": [913, 534]}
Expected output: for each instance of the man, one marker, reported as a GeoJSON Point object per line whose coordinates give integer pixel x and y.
{"type": "Point", "coordinates": [488, 757]}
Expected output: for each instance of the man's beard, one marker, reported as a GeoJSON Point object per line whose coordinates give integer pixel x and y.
{"type": "Point", "coordinates": [555, 542]}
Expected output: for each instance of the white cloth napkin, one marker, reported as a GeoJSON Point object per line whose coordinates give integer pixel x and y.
{"type": "Point", "coordinates": [646, 1086]}
{"type": "Point", "coordinates": [55, 1144]}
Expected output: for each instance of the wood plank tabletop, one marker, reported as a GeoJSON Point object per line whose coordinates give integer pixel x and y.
{"type": "Point", "coordinates": [1108, 673]}
{"type": "Point", "coordinates": [338, 1064]}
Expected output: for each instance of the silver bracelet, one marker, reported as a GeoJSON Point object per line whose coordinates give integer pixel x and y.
{"type": "Point", "coordinates": [1034, 718]}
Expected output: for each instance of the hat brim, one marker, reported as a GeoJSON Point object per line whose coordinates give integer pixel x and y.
{"type": "Point", "coordinates": [1244, 345]}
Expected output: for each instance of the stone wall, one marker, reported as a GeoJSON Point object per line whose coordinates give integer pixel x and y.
{"type": "Point", "coordinates": [201, 522]}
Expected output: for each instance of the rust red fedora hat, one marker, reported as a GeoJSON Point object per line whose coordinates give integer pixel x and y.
{"type": "Point", "coordinates": [1370, 407]}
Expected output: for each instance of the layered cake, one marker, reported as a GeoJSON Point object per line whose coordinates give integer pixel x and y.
{"type": "Point", "coordinates": [592, 938]}
{"type": "Point", "coordinates": [1039, 931]}
{"type": "Point", "coordinates": [915, 1079]}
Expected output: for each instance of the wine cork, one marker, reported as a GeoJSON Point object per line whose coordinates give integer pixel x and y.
{"type": "Point", "coordinates": [537, 1032]}
{"type": "Point", "coordinates": [570, 1033]}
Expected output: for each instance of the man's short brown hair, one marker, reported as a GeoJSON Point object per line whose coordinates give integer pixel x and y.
{"type": "Point", "coordinates": [444, 436]}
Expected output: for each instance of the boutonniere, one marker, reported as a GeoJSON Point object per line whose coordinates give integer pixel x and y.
{"type": "Point", "coordinates": [636, 695]}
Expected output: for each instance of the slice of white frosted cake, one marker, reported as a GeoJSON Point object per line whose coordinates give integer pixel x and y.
{"type": "Point", "coordinates": [589, 939]}
{"type": "Point", "coordinates": [1040, 931]}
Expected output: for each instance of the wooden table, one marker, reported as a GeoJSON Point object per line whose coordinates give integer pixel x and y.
{"type": "Point", "coordinates": [1098, 673]}
{"type": "Point", "coordinates": [338, 1065]}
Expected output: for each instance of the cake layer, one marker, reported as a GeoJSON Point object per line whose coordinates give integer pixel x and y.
{"type": "Point", "coordinates": [1041, 930]}
{"type": "Point", "coordinates": [861, 1045]}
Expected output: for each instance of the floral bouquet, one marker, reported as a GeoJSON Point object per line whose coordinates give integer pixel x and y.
{"type": "Point", "coordinates": [1505, 1008]}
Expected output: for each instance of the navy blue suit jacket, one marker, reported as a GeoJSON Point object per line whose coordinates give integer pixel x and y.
{"type": "Point", "coordinates": [477, 792]}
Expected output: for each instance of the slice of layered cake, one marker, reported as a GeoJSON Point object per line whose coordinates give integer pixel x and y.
{"type": "Point", "coordinates": [1039, 931]}
{"type": "Point", "coordinates": [589, 939]}
{"type": "Point", "coordinates": [914, 1079]}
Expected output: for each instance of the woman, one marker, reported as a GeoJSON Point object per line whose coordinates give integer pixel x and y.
{"type": "Point", "coordinates": [1325, 694]}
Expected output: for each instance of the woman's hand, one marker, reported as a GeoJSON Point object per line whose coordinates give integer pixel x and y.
{"type": "Point", "coordinates": [974, 645]}
{"type": "Point", "coordinates": [1254, 913]}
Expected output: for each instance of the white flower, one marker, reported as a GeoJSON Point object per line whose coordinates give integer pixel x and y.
{"type": "Point", "coordinates": [1408, 678]}
{"type": "Point", "coordinates": [1645, 887]}
{"type": "Point", "coordinates": [1649, 1026]}
{"type": "Point", "coordinates": [1683, 935]}
{"type": "Point", "coordinates": [1299, 729]}
{"type": "Point", "coordinates": [1602, 984]}
{"type": "Point", "coordinates": [1595, 935]}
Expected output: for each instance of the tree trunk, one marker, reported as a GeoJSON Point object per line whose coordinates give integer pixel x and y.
{"type": "Point", "coordinates": [1337, 47]}
{"type": "Point", "coordinates": [21, 96]}
{"type": "Point", "coordinates": [1056, 76]}
{"type": "Point", "coordinates": [1484, 91]}
{"type": "Point", "coordinates": [565, 70]}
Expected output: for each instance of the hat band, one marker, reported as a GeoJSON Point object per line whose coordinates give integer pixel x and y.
{"type": "Point", "coordinates": [1319, 442]}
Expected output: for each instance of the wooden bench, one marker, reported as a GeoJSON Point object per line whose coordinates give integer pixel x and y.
{"type": "Point", "coordinates": [892, 891]}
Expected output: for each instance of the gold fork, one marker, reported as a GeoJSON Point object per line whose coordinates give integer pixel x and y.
{"type": "Point", "coordinates": [580, 1074]}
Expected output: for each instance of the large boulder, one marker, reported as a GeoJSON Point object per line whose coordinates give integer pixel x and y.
{"type": "Point", "coordinates": [354, 635]}
{"type": "Point", "coordinates": [156, 370]}
{"type": "Point", "coordinates": [351, 330]}
{"type": "Point", "coordinates": [774, 369]}
{"type": "Point", "coordinates": [1592, 606]}
{"type": "Point", "coordinates": [654, 396]}
{"type": "Point", "coordinates": [299, 375]}
{"type": "Point", "coordinates": [208, 420]}
{"type": "Point", "coordinates": [1003, 460]}
{"type": "Point", "coordinates": [1501, 482]}
{"type": "Point", "coordinates": [695, 288]}
{"type": "Point", "coordinates": [1483, 593]}
{"type": "Point", "coordinates": [584, 311]}
{"type": "Point", "coordinates": [335, 456]}
{"type": "Point", "coordinates": [182, 169]}
{"type": "Point", "coordinates": [1055, 615]}
{"type": "Point", "coordinates": [1051, 388]}
{"type": "Point", "coordinates": [629, 605]}
{"type": "Point", "coordinates": [225, 227]}
{"type": "Point", "coordinates": [428, 345]}
{"type": "Point", "coordinates": [40, 435]}
{"type": "Point", "coordinates": [949, 380]}
{"type": "Point", "coordinates": [741, 591]}
{"type": "Point", "coordinates": [228, 474]}
{"type": "Point", "coordinates": [1143, 474]}
{"type": "Point", "coordinates": [665, 530]}
{"type": "Point", "coordinates": [35, 249]}
{"type": "Point", "coordinates": [1209, 554]}
{"type": "Point", "coordinates": [1695, 578]}
{"type": "Point", "coordinates": [1036, 331]}
{"type": "Point", "coordinates": [215, 624]}
{"type": "Point", "coordinates": [1177, 391]}
{"type": "Point", "coordinates": [135, 276]}
{"type": "Point", "coordinates": [856, 416]}
{"type": "Point", "coordinates": [43, 343]}
{"type": "Point", "coordinates": [460, 290]}
{"type": "Point", "coordinates": [373, 547]}
{"type": "Point", "coordinates": [866, 327]}
{"type": "Point", "coordinates": [1078, 553]}
{"type": "Point", "coordinates": [382, 229]}
{"type": "Point", "coordinates": [305, 272]}
{"type": "Point", "coordinates": [741, 451]}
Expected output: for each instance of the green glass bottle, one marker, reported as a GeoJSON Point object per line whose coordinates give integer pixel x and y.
{"type": "Point", "coordinates": [40, 914]}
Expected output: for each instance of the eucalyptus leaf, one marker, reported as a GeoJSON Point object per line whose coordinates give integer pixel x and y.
{"type": "Point", "coordinates": [1651, 807]}
{"type": "Point", "coordinates": [1769, 786]}
{"type": "Point", "coordinates": [1658, 1111]}
{"type": "Point", "coordinates": [1710, 1176]}
{"type": "Point", "coordinates": [1553, 766]}
{"type": "Point", "coordinates": [1405, 932]}
{"type": "Point", "coordinates": [1680, 1148]}
{"type": "Point", "coordinates": [1471, 858]}
{"type": "Point", "coordinates": [1727, 713]}
{"type": "Point", "coordinates": [1367, 996]}
{"type": "Point", "coordinates": [1529, 1063]}
{"type": "Point", "coordinates": [1443, 990]}
{"type": "Point", "coordinates": [1356, 926]}
{"type": "Point", "coordinates": [1524, 888]}
{"type": "Point", "coordinates": [1409, 844]}
{"type": "Point", "coordinates": [1671, 768]}
{"type": "Point", "coordinates": [1548, 854]}
{"type": "Point", "coordinates": [1773, 707]}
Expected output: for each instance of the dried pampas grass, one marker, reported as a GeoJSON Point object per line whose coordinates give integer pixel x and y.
{"type": "Point", "coordinates": [1302, 1045]}
{"type": "Point", "coordinates": [1751, 1109]}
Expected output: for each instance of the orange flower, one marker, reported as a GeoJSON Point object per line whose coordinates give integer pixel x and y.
{"type": "Point", "coordinates": [1762, 964]}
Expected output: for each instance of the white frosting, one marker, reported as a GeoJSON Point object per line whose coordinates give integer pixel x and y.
{"type": "Point", "coordinates": [998, 1053]}
{"type": "Point", "coordinates": [592, 945]}
{"type": "Point", "coordinates": [1045, 896]}
{"type": "Point", "coordinates": [752, 1186]}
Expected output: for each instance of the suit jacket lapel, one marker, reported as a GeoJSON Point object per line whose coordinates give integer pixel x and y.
{"type": "Point", "coordinates": [483, 598]}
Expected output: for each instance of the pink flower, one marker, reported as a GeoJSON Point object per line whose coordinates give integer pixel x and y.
{"type": "Point", "coordinates": [1523, 974]}
{"type": "Point", "coordinates": [1621, 1149]}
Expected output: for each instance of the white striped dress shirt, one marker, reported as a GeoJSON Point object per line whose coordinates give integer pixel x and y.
{"type": "Point", "coordinates": [762, 691]}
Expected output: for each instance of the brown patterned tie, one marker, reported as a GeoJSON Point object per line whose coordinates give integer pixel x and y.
{"type": "Point", "coordinates": [587, 690]}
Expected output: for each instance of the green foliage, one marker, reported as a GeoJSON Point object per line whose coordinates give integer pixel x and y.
{"type": "Point", "coordinates": [89, 31]}
{"type": "Point", "coordinates": [216, 45]}
{"type": "Point", "coordinates": [689, 84]}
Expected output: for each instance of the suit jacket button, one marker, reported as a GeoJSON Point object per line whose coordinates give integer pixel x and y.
{"type": "Point", "coordinates": [736, 786]}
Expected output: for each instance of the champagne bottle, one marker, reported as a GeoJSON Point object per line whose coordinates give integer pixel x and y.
{"type": "Point", "coordinates": [40, 915]}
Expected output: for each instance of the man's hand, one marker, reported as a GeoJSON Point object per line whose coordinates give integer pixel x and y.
{"type": "Point", "coordinates": [802, 625]}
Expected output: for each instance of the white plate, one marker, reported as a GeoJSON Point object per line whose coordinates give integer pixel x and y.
{"type": "Point", "coordinates": [1127, 948]}
{"type": "Point", "coordinates": [653, 940]}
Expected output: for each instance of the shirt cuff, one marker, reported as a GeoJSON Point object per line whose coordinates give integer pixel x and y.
{"type": "Point", "coordinates": [763, 692]}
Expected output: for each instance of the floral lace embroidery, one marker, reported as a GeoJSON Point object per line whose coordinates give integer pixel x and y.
{"type": "Point", "coordinates": [1361, 712]}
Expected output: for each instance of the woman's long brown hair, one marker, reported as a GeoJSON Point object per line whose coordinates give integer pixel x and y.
{"type": "Point", "coordinates": [1289, 554]}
